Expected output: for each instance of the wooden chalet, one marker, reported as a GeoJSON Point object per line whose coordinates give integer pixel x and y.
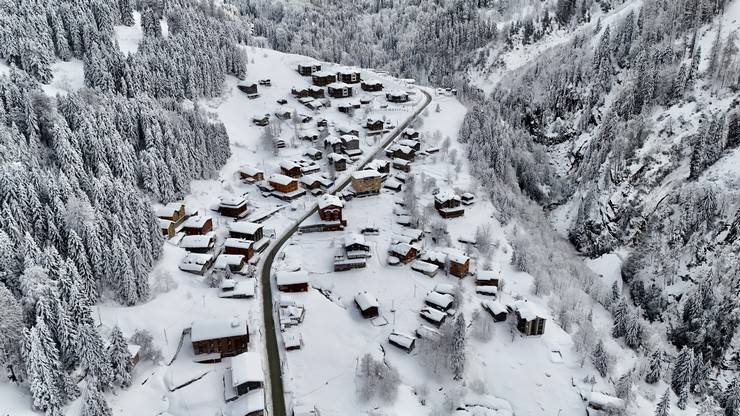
{"type": "Point", "coordinates": [440, 301]}
{"type": "Point", "coordinates": [344, 129]}
{"type": "Point", "coordinates": [429, 269]}
{"type": "Point", "coordinates": [312, 91]}
{"type": "Point", "coordinates": [404, 252]}
{"type": "Point", "coordinates": [382, 166]}
{"type": "Point", "coordinates": [285, 187]}
{"type": "Point", "coordinates": [458, 263]}
{"type": "Point", "coordinates": [496, 309]}
{"type": "Point", "coordinates": [402, 340]}
{"type": "Point", "coordinates": [292, 281]}
{"type": "Point", "coordinates": [410, 134]}
{"type": "Point", "coordinates": [174, 212]}
{"type": "Point", "coordinates": [402, 164]}
{"type": "Point", "coordinates": [313, 153]}
{"type": "Point", "coordinates": [262, 120]}
{"type": "Point", "coordinates": [243, 375]}
{"type": "Point", "coordinates": [251, 174]}
{"type": "Point", "coordinates": [339, 90]}
{"type": "Point", "coordinates": [404, 153]}
{"type": "Point", "coordinates": [198, 243]}
{"type": "Point", "coordinates": [433, 316]}
{"type": "Point", "coordinates": [367, 304]}
{"type": "Point", "coordinates": [487, 278]}
{"type": "Point", "coordinates": [349, 76]}
{"type": "Point", "coordinates": [197, 263]}
{"type": "Point", "coordinates": [197, 225]}
{"type": "Point", "coordinates": [250, 404]}
{"type": "Point", "coordinates": [308, 135]}
{"type": "Point", "coordinates": [214, 339]}
{"type": "Point", "coordinates": [234, 262]}
{"type": "Point", "coordinates": [374, 125]}
{"type": "Point", "coordinates": [167, 227]}
{"type": "Point", "coordinates": [530, 320]}
{"type": "Point", "coordinates": [414, 144]}
{"type": "Point", "coordinates": [323, 78]}
{"type": "Point", "coordinates": [355, 246]}
{"type": "Point", "coordinates": [246, 230]}
{"type": "Point", "coordinates": [290, 168]}
{"type": "Point", "coordinates": [233, 206]}
{"type": "Point", "coordinates": [367, 182]}
{"type": "Point", "coordinates": [239, 246]}
{"type": "Point", "coordinates": [284, 113]}
{"type": "Point", "coordinates": [338, 161]}
{"type": "Point", "coordinates": [333, 144]}
{"type": "Point", "coordinates": [308, 68]}
{"type": "Point", "coordinates": [249, 88]}
{"type": "Point", "coordinates": [397, 97]}
{"type": "Point", "coordinates": [371, 85]}
{"type": "Point", "coordinates": [330, 208]}
{"type": "Point", "coordinates": [447, 203]}
{"type": "Point", "coordinates": [350, 145]}
{"type": "Point", "coordinates": [467, 198]}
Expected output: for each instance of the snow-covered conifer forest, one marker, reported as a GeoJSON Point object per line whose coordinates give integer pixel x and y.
{"type": "Point", "coordinates": [546, 222]}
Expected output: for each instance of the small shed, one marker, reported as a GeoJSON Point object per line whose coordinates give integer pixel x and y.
{"type": "Point", "coordinates": [441, 301]}
{"type": "Point", "coordinates": [497, 310]}
{"type": "Point", "coordinates": [367, 304]}
{"type": "Point", "coordinates": [402, 340]}
{"type": "Point", "coordinates": [423, 267]}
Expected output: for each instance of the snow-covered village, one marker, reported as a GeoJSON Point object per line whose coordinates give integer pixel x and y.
{"type": "Point", "coordinates": [381, 208]}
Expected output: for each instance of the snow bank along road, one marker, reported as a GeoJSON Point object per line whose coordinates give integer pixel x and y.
{"type": "Point", "coordinates": [277, 394]}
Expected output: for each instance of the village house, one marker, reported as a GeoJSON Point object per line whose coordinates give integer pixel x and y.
{"type": "Point", "coordinates": [311, 182]}
{"type": "Point", "coordinates": [308, 135]}
{"type": "Point", "coordinates": [291, 342]}
{"type": "Point", "coordinates": [427, 332]}
{"type": "Point", "coordinates": [530, 320]}
{"type": "Point", "coordinates": [447, 203]}
{"type": "Point", "coordinates": [350, 145]}
{"type": "Point", "coordinates": [424, 267]}
{"type": "Point", "coordinates": [467, 198]}
{"type": "Point", "coordinates": [323, 78]}
{"type": "Point", "coordinates": [441, 301]}
{"type": "Point", "coordinates": [174, 212]}
{"type": "Point", "coordinates": [345, 129]}
{"type": "Point", "coordinates": [339, 90]}
{"type": "Point", "coordinates": [410, 134]}
{"type": "Point", "coordinates": [382, 166]}
{"type": "Point", "coordinates": [285, 187]}
{"type": "Point", "coordinates": [312, 91]}
{"type": "Point", "coordinates": [197, 263]}
{"type": "Point", "coordinates": [290, 168]}
{"type": "Point", "coordinates": [250, 404]}
{"type": "Point", "coordinates": [243, 375]}
{"type": "Point", "coordinates": [397, 96]}
{"type": "Point", "coordinates": [251, 174]}
{"type": "Point", "coordinates": [308, 68]}
{"type": "Point", "coordinates": [239, 246]}
{"type": "Point", "coordinates": [330, 208]}
{"type": "Point", "coordinates": [233, 206]}
{"type": "Point", "coordinates": [339, 162]}
{"type": "Point", "coordinates": [401, 340]}
{"type": "Point", "coordinates": [433, 316]}
{"type": "Point", "coordinates": [496, 309]}
{"type": "Point", "coordinates": [198, 243]}
{"type": "Point", "coordinates": [434, 257]}
{"type": "Point", "coordinates": [392, 184]}
{"type": "Point", "coordinates": [322, 122]}
{"type": "Point", "coordinates": [413, 144]}
{"type": "Point", "coordinates": [284, 113]}
{"type": "Point", "coordinates": [342, 263]}
{"type": "Point", "coordinates": [249, 88]}
{"type": "Point", "coordinates": [402, 165]}
{"type": "Point", "coordinates": [355, 246]}
{"type": "Point", "coordinates": [371, 85]}
{"type": "Point", "coordinates": [346, 108]}
{"type": "Point", "coordinates": [367, 304]}
{"type": "Point", "coordinates": [313, 153]}
{"type": "Point", "coordinates": [349, 76]}
{"type": "Point", "coordinates": [458, 263]}
{"type": "Point", "coordinates": [292, 281]}
{"type": "Point", "coordinates": [487, 278]}
{"type": "Point", "coordinates": [333, 144]}
{"type": "Point", "coordinates": [246, 230]}
{"type": "Point", "coordinates": [404, 252]}
{"type": "Point", "coordinates": [238, 289]}
{"type": "Point", "coordinates": [366, 99]}
{"type": "Point", "coordinates": [374, 126]}
{"type": "Point", "coordinates": [404, 153]}
{"type": "Point", "coordinates": [262, 120]}
{"type": "Point", "coordinates": [214, 339]}
{"type": "Point", "coordinates": [367, 182]}
{"type": "Point", "coordinates": [234, 262]}
{"type": "Point", "coordinates": [167, 227]}
{"type": "Point", "coordinates": [197, 225]}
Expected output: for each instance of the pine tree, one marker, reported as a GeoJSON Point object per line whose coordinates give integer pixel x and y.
{"type": "Point", "coordinates": [682, 369]}
{"type": "Point", "coordinates": [620, 318]}
{"type": "Point", "coordinates": [600, 359]}
{"type": "Point", "coordinates": [654, 367]}
{"type": "Point", "coordinates": [623, 386]}
{"type": "Point", "coordinates": [120, 359]}
{"type": "Point", "coordinates": [150, 23]}
{"type": "Point", "coordinates": [731, 398]}
{"type": "Point", "coordinates": [457, 353]}
{"type": "Point", "coordinates": [92, 355]}
{"type": "Point", "coordinates": [699, 374]}
{"type": "Point", "coordinates": [94, 403]}
{"type": "Point", "coordinates": [664, 406]}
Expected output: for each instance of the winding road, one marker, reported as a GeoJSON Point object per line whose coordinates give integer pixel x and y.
{"type": "Point", "coordinates": [277, 393]}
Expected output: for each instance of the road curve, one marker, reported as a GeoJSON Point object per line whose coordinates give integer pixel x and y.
{"type": "Point", "coordinates": [270, 330]}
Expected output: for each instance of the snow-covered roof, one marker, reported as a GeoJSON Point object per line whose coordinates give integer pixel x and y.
{"type": "Point", "coordinates": [328, 200]}
{"type": "Point", "coordinates": [225, 260]}
{"type": "Point", "coordinates": [291, 278]}
{"type": "Point", "coordinates": [365, 174]}
{"type": "Point", "coordinates": [232, 201]}
{"type": "Point", "coordinates": [197, 241]}
{"type": "Point", "coordinates": [245, 288]}
{"type": "Point", "coordinates": [323, 73]}
{"type": "Point", "coordinates": [408, 143]}
{"type": "Point", "coordinates": [216, 328]}
{"type": "Point", "coordinates": [404, 149]}
{"type": "Point", "coordinates": [338, 85]}
{"type": "Point", "coordinates": [238, 243]}
{"type": "Point", "coordinates": [432, 314]}
{"type": "Point", "coordinates": [366, 301]}
{"type": "Point", "coordinates": [304, 410]}
{"type": "Point", "coordinates": [434, 256]}
{"type": "Point", "coordinates": [246, 367]}
{"type": "Point", "coordinates": [457, 256]}
{"type": "Point", "coordinates": [397, 93]}
{"type": "Point", "coordinates": [250, 170]}
{"type": "Point", "coordinates": [253, 401]}
{"type": "Point", "coordinates": [443, 300]}
{"type": "Point", "coordinates": [486, 275]}
{"type": "Point", "coordinates": [348, 71]}
{"type": "Point", "coordinates": [446, 195]}
{"type": "Point", "coordinates": [312, 151]}
{"type": "Point", "coordinates": [414, 233]}
{"type": "Point", "coordinates": [401, 248]}
{"type": "Point", "coordinates": [336, 157]}
{"type": "Point", "coordinates": [164, 223]}
{"type": "Point", "coordinates": [331, 140]}
{"type": "Point", "coordinates": [168, 210]}
{"type": "Point", "coordinates": [528, 310]}
{"type": "Point", "coordinates": [244, 227]}
{"type": "Point", "coordinates": [245, 83]}
{"type": "Point", "coordinates": [401, 162]}
{"type": "Point", "coordinates": [424, 267]}
{"type": "Point", "coordinates": [372, 82]}
{"type": "Point", "coordinates": [401, 338]}
{"type": "Point", "coordinates": [196, 221]}
{"type": "Point", "coordinates": [310, 179]}
{"type": "Point", "coordinates": [195, 259]}
{"type": "Point", "coordinates": [289, 164]}
{"type": "Point", "coordinates": [280, 179]}
{"type": "Point", "coordinates": [409, 131]}
{"type": "Point", "coordinates": [494, 306]}
{"type": "Point", "coordinates": [354, 238]}
{"type": "Point", "coordinates": [445, 288]}
{"type": "Point", "coordinates": [486, 290]}
{"type": "Point", "coordinates": [346, 138]}
{"type": "Point", "coordinates": [376, 164]}
{"type": "Point", "coordinates": [605, 401]}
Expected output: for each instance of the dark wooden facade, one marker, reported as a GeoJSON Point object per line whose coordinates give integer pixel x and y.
{"type": "Point", "coordinates": [207, 227]}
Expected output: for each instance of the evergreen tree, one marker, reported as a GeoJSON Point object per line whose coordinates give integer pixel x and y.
{"type": "Point", "coordinates": [664, 406]}
{"type": "Point", "coordinates": [94, 403]}
{"type": "Point", "coordinates": [600, 358]}
{"type": "Point", "coordinates": [120, 359]}
{"type": "Point", "coordinates": [655, 367]}
{"type": "Point", "coordinates": [731, 397]}
{"type": "Point", "coordinates": [457, 352]}
{"type": "Point", "coordinates": [150, 23]}
{"type": "Point", "coordinates": [92, 355]}
{"type": "Point", "coordinates": [682, 369]}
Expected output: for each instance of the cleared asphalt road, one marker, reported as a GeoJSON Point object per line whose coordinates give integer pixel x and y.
{"type": "Point", "coordinates": [273, 353]}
